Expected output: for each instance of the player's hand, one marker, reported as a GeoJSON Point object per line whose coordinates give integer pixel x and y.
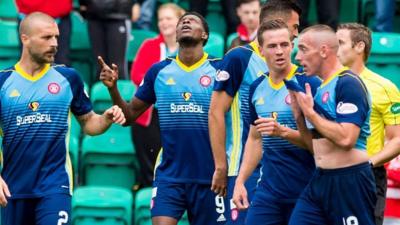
{"type": "Point", "coordinates": [108, 76]}
{"type": "Point", "coordinates": [297, 113]}
{"type": "Point", "coordinates": [240, 196]}
{"type": "Point", "coordinates": [219, 181]}
{"type": "Point", "coordinates": [115, 115]}
{"type": "Point", "coordinates": [4, 193]}
{"type": "Point", "coordinates": [268, 127]}
{"type": "Point", "coordinates": [305, 101]}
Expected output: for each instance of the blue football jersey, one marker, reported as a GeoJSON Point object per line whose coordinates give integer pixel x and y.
{"type": "Point", "coordinates": [182, 96]}
{"type": "Point", "coordinates": [239, 69]}
{"type": "Point", "coordinates": [35, 117]}
{"type": "Point", "coordinates": [346, 99]}
{"type": "Point", "coordinates": [285, 168]}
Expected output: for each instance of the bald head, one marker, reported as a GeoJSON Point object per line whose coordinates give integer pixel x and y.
{"type": "Point", "coordinates": [321, 35]}
{"type": "Point", "coordinates": [33, 21]}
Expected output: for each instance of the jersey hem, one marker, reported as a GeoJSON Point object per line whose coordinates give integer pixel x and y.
{"type": "Point", "coordinates": [21, 196]}
{"type": "Point", "coordinates": [177, 180]}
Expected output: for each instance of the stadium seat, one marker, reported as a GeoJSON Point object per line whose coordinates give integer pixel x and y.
{"type": "Point", "coordinates": [81, 53]}
{"type": "Point", "coordinates": [8, 10]}
{"type": "Point", "coordinates": [215, 45]}
{"type": "Point", "coordinates": [229, 39]}
{"type": "Point", "coordinates": [7, 63]}
{"type": "Point", "coordinates": [9, 45]}
{"type": "Point", "coordinates": [215, 19]}
{"type": "Point", "coordinates": [109, 160]}
{"type": "Point", "coordinates": [75, 130]}
{"type": "Point", "coordinates": [142, 208]}
{"type": "Point", "coordinates": [135, 41]}
{"type": "Point", "coordinates": [348, 12]}
{"type": "Point", "coordinates": [385, 56]}
{"type": "Point", "coordinates": [101, 99]}
{"type": "Point", "coordinates": [101, 206]}
{"type": "Point", "coordinates": [367, 17]}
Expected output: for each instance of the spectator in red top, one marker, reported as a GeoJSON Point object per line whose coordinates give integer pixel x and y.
{"type": "Point", "coordinates": [392, 210]}
{"type": "Point", "coordinates": [145, 132]}
{"type": "Point", "coordinates": [248, 12]}
{"type": "Point", "coordinates": [60, 10]}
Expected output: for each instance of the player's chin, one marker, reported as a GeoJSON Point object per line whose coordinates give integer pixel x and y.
{"type": "Point", "coordinates": [49, 58]}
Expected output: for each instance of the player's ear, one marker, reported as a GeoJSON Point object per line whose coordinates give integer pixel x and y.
{"type": "Point", "coordinates": [204, 36]}
{"type": "Point", "coordinates": [359, 47]}
{"type": "Point", "coordinates": [323, 51]}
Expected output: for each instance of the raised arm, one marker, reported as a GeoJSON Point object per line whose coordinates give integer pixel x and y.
{"type": "Point", "coordinates": [109, 77]}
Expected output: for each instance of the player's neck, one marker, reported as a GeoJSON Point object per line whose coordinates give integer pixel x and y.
{"type": "Point", "coordinates": [29, 66]}
{"type": "Point", "coordinates": [278, 76]}
{"type": "Point", "coordinates": [190, 55]}
{"type": "Point", "coordinates": [330, 68]}
{"type": "Point", "coordinates": [357, 66]}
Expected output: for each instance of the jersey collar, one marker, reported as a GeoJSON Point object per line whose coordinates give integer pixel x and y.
{"type": "Point", "coordinates": [256, 50]}
{"type": "Point", "coordinates": [288, 77]}
{"type": "Point", "coordinates": [365, 73]}
{"type": "Point", "coordinates": [29, 77]}
{"type": "Point", "coordinates": [339, 71]}
{"type": "Point", "coordinates": [192, 67]}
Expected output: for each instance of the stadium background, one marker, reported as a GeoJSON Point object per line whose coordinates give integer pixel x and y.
{"type": "Point", "coordinates": [105, 166]}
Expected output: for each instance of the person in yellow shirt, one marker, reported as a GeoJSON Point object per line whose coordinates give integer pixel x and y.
{"type": "Point", "coordinates": [384, 142]}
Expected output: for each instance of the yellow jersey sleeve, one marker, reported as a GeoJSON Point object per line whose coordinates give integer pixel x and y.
{"type": "Point", "coordinates": [385, 108]}
{"type": "Point", "coordinates": [390, 105]}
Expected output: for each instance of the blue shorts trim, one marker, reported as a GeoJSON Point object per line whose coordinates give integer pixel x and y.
{"type": "Point", "coordinates": [202, 205]}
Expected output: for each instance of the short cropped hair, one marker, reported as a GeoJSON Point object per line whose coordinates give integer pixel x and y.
{"type": "Point", "coordinates": [359, 33]}
{"type": "Point", "coordinates": [270, 25]}
{"type": "Point", "coordinates": [282, 8]}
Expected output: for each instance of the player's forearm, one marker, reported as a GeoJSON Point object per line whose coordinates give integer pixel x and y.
{"type": "Point", "coordinates": [389, 152]}
{"type": "Point", "coordinates": [299, 138]}
{"type": "Point", "coordinates": [96, 124]}
{"type": "Point", "coordinates": [251, 158]}
{"type": "Point", "coordinates": [333, 131]}
{"type": "Point", "coordinates": [217, 133]}
{"type": "Point", "coordinates": [117, 100]}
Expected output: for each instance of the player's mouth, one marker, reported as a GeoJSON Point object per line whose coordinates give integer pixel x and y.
{"type": "Point", "coordinates": [280, 61]}
{"type": "Point", "coordinates": [186, 28]}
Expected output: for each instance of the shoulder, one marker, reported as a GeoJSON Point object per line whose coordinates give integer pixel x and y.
{"type": "Point", "coordinates": [214, 61]}
{"type": "Point", "coordinates": [67, 72]}
{"type": "Point", "coordinates": [5, 74]}
{"type": "Point", "coordinates": [257, 83]}
{"type": "Point", "coordinates": [378, 83]}
{"type": "Point", "coordinates": [348, 78]}
{"type": "Point", "coordinates": [239, 53]}
{"type": "Point", "coordinates": [303, 78]}
{"type": "Point", "coordinates": [157, 67]}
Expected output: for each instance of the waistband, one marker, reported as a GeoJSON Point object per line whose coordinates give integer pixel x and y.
{"type": "Point", "coordinates": [344, 170]}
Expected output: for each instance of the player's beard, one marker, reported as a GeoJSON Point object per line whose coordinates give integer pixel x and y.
{"type": "Point", "coordinates": [41, 58]}
{"type": "Point", "coordinates": [188, 42]}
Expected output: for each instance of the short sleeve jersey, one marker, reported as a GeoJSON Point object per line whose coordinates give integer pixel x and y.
{"type": "Point", "coordinates": [182, 96]}
{"type": "Point", "coordinates": [35, 120]}
{"type": "Point", "coordinates": [286, 169]}
{"type": "Point", "coordinates": [345, 97]}
{"type": "Point", "coordinates": [240, 67]}
{"type": "Point", "coordinates": [385, 108]}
